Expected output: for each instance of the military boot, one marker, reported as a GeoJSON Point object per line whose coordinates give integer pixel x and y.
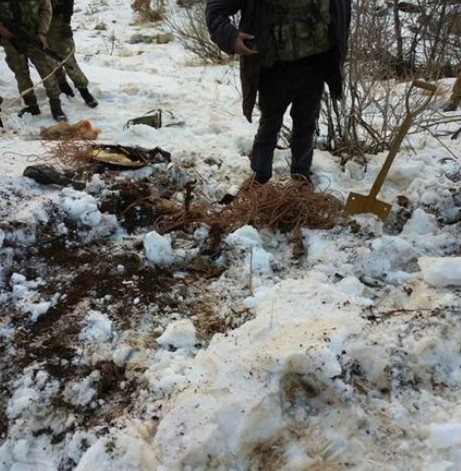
{"type": "Point", "coordinates": [66, 88]}
{"type": "Point", "coordinates": [56, 110]}
{"type": "Point", "coordinates": [88, 97]}
{"type": "Point", "coordinates": [30, 100]}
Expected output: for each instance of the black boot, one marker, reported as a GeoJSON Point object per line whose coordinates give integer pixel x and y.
{"type": "Point", "coordinates": [88, 97]}
{"type": "Point", "coordinates": [30, 100]}
{"type": "Point", "coordinates": [56, 110]}
{"type": "Point", "coordinates": [66, 88]}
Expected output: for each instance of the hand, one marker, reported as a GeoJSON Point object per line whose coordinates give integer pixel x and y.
{"type": "Point", "coordinates": [5, 33]}
{"type": "Point", "coordinates": [239, 46]}
{"type": "Point", "coordinates": [42, 39]}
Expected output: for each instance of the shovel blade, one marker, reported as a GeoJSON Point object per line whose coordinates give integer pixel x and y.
{"type": "Point", "coordinates": [357, 204]}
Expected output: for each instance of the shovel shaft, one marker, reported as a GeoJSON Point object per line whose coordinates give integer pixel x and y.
{"type": "Point", "coordinates": [357, 203]}
{"type": "Point", "coordinates": [403, 130]}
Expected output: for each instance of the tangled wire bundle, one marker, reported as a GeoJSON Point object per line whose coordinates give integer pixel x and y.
{"type": "Point", "coordinates": [284, 205]}
{"type": "Point", "coordinates": [70, 152]}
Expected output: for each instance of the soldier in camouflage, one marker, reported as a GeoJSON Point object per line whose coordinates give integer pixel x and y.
{"type": "Point", "coordinates": [61, 40]}
{"type": "Point", "coordinates": [32, 17]}
{"type": "Point", "coordinates": [288, 50]}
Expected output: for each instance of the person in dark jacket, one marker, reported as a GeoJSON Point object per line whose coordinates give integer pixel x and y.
{"type": "Point", "coordinates": [288, 51]}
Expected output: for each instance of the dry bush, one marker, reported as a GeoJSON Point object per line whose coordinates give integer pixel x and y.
{"type": "Point", "coordinates": [390, 44]}
{"type": "Point", "coordinates": [191, 31]}
{"type": "Point", "coordinates": [149, 10]}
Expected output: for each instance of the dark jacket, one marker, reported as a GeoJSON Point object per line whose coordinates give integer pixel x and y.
{"type": "Point", "coordinates": [64, 9]}
{"type": "Point", "coordinates": [255, 20]}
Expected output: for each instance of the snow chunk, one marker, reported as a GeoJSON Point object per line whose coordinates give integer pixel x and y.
{"type": "Point", "coordinates": [258, 261]}
{"type": "Point", "coordinates": [37, 310]}
{"type": "Point", "coordinates": [130, 450]}
{"type": "Point", "coordinates": [98, 328]}
{"type": "Point", "coordinates": [440, 272]}
{"type": "Point", "coordinates": [405, 172]}
{"type": "Point", "coordinates": [179, 334]}
{"type": "Point", "coordinates": [244, 237]}
{"type": "Point", "coordinates": [351, 285]}
{"type": "Point", "coordinates": [82, 208]}
{"type": "Point", "coordinates": [124, 355]}
{"type": "Point", "coordinates": [420, 223]}
{"type": "Point", "coordinates": [83, 392]}
{"type": "Point", "coordinates": [158, 249]}
{"type": "Point", "coordinates": [17, 278]}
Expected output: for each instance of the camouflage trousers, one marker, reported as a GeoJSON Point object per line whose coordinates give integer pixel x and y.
{"type": "Point", "coordinates": [61, 41]}
{"type": "Point", "coordinates": [18, 63]}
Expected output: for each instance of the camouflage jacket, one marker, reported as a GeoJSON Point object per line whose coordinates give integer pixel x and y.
{"type": "Point", "coordinates": [33, 16]}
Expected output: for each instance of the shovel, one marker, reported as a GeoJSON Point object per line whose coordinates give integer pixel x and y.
{"type": "Point", "coordinates": [357, 203]}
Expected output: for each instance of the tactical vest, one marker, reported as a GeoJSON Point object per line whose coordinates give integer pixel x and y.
{"type": "Point", "coordinates": [300, 28]}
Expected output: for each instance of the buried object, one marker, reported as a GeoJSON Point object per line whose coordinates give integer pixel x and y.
{"type": "Point", "coordinates": [114, 157]}
{"type": "Point", "coordinates": [124, 157]}
{"type": "Point", "coordinates": [156, 118]}
{"type": "Point", "coordinates": [48, 175]}
{"type": "Point", "coordinates": [357, 203]}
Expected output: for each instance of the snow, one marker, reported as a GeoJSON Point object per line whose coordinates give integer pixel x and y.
{"type": "Point", "coordinates": [441, 272]}
{"type": "Point", "coordinates": [117, 354]}
{"type": "Point", "coordinates": [158, 249]}
{"type": "Point", "coordinates": [445, 435]}
{"type": "Point", "coordinates": [179, 334]}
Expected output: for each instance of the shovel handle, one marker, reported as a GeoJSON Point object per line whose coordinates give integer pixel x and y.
{"type": "Point", "coordinates": [403, 130]}
{"type": "Point", "coordinates": [430, 87]}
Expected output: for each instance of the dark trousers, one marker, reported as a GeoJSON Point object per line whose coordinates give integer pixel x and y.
{"type": "Point", "coordinates": [299, 83]}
